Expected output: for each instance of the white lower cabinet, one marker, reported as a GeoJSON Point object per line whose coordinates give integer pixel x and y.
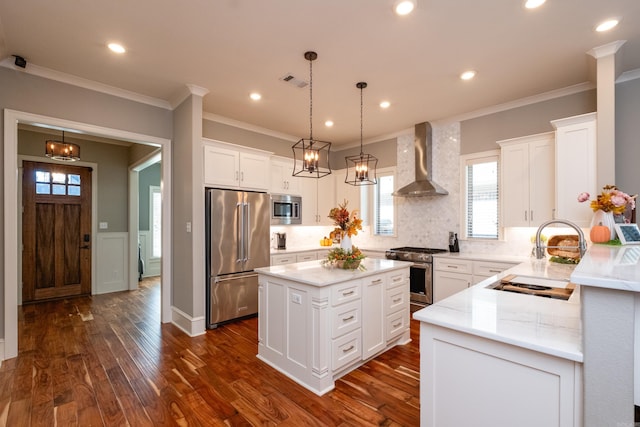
{"type": "Point", "coordinates": [476, 381]}
{"type": "Point", "coordinates": [283, 259]}
{"type": "Point", "coordinates": [451, 276]}
{"type": "Point", "coordinates": [316, 334]}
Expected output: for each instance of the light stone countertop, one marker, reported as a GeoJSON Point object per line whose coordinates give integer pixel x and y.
{"type": "Point", "coordinates": [611, 267]}
{"type": "Point", "coordinates": [313, 273]}
{"type": "Point", "coordinates": [313, 248]}
{"type": "Point", "coordinates": [478, 256]}
{"type": "Point", "coordinates": [545, 325]}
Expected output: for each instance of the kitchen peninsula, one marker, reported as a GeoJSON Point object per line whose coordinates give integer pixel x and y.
{"type": "Point", "coordinates": [316, 324]}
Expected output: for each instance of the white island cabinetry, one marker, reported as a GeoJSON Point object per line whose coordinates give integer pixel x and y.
{"type": "Point", "coordinates": [317, 324]}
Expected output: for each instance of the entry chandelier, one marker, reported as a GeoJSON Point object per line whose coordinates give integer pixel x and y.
{"type": "Point", "coordinates": [361, 169]}
{"type": "Point", "coordinates": [310, 156]}
{"type": "Point", "coordinates": [63, 151]}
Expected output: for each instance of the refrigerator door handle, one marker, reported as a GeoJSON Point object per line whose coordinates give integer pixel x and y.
{"type": "Point", "coordinates": [240, 232]}
{"type": "Point", "coordinates": [247, 242]}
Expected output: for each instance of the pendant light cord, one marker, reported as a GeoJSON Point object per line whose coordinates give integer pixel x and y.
{"type": "Point", "coordinates": [361, 108]}
{"type": "Point", "coordinates": [310, 101]}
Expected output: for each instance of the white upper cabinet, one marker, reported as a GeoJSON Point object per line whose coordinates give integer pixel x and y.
{"type": "Point", "coordinates": [528, 180]}
{"type": "Point", "coordinates": [282, 180]}
{"type": "Point", "coordinates": [575, 167]}
{"type": "Point", "coordinates": [318, 197]}
{"type": "Point", "coordinates": [231, 166]}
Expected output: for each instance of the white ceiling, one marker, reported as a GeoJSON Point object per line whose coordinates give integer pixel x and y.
{"type": "Point", "coordinates": [233, 47]}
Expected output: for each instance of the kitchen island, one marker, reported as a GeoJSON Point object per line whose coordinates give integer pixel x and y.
{"type": "Point", "coordinates": [315, 324]}
{"type": "Point", "coordinates": [490, 357]}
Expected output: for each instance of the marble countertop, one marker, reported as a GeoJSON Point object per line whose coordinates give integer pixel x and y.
{"type": "Point", "coordinates": [612, 267]}
{"type": "Point", "coordinates": [298, 249]}
{"type": "Point", "coordinates": [313, 273]}
{"type": "Point", "coordinates": [483, 257]}
{"type": "Point", "coordinates": [541, 324]}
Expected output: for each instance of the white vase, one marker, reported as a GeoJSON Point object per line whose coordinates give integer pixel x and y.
{"type": "Point", "coordinates": [605, 218]}
{"type": "Point", "coordinates": [345, 242]}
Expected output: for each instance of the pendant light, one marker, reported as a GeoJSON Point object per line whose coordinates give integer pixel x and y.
{"type": "Point", "coordinates": [361, 169]}
{"type": "Point", "coordinates": [63, 151]}
{"type": "Point", "coordinates": [310, 156]}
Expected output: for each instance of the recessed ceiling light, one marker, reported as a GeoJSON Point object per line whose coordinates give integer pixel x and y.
{"type": "Point", "coordinates": [255, 96]}
{"type": "Point", "coordinates": [385, 104]}
{"type": "Point", "coordinates": [468, 75]}
{"type": "Point", "coordinates": [117, 48]}
{"type": "Point", "coordinates": [328, 123]}
{"type": "Point", "coordinates": [607, 25]}
{"type": "Point", "coordinates": [532, 4]}
{"type": "Point", "coordinates": [404, 7]}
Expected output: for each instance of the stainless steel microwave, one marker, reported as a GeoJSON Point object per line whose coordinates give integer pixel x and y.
{"type": "Point", "coordinates": [286, 209]}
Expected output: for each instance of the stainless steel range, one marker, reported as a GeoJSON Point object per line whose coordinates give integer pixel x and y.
{"type": "Point", "coordinates": [421, 276]}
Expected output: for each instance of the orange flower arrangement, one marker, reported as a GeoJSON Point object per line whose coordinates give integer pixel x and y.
{"type": "Point", "coordinates": [348, 223]}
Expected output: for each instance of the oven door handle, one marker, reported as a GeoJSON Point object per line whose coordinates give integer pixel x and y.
{"type": "Point", "coordinates": [421, 265]}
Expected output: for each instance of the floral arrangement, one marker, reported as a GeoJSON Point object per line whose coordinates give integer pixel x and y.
{"type": "Point", "coordinates": [348, 223]}
{"type": "Point", "coordinates": [347, 259]}
{"type": "Point", "coordinates": [610, 200]}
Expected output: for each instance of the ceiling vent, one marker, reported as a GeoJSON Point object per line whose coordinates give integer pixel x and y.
{"type": "Point", "coordinates": [293, 80]}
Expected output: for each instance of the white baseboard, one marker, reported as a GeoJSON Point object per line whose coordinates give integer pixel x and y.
{"type": "Point", "coordinates": [192, 326]}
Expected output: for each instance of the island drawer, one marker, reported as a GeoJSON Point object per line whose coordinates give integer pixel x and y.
{"type": "Point", "coordinates": [283, 259]}
{"type": "Point", "coordinates": [397, 278]}
{"type": "Point", "coordinates": [345, 292]}
{"type": "Point", "coordinates": [396, 324]}
{"type": "Point", "coordinates": [396, 299]}
{"type": "Point", "coordinates": [307, 256]}
{"type": "Point", "coordinates": [454, 265]}
{"type": "Point", "coordinates": [489, 268]}
{"type": "Point", "coordinates": [345, 350]}
{"type": "Point", "coordinates": [346, 318]}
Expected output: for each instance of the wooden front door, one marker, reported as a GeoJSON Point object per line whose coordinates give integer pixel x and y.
{"type": "Point", "coordinates": [56, 231]}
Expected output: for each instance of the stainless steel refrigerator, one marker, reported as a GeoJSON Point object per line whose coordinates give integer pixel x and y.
{"type": "Point", "coordinates": [237, 227]}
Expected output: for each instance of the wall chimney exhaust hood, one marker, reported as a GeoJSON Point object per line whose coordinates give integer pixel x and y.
{"type": "Point", "coordinates": [422, 185]}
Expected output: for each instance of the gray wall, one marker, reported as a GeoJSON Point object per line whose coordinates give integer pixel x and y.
{"type": "Point", "coordinates": [234, 135]}
{"type": "Point", "coordinates": [146, 178]}
{"type": "Point", "coordinates": [384, 151]}
{"type": "Point", "coordinates": [113, 172]}
{"type": "Point", "coordinates": [627, 136]}
{"type": "Point", "coordinates": [24, 92]}
{"type": "Point", "coordinates": [481, 133]}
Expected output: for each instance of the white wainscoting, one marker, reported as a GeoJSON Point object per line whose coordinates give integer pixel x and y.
{"type": "Point", "coordinates": [151, 265]}
{"type": "Point", "coordinates": [112, 263]}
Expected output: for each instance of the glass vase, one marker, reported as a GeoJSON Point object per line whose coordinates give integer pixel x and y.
{"type": "Point", "coordinates": [604, 218]}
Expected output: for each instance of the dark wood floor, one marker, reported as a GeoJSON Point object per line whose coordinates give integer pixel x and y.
{"type": "Point", "coordinates": [107, 360]}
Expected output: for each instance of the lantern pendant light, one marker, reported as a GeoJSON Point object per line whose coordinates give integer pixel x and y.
{"type": "Point", "coordinates": [61, 150]}
{"type": "Point", "coordinates": [361, 169]}
{"type": "Point", "coordinates": [310, 156]}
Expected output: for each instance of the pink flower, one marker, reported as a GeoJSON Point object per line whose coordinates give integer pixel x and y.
{"type": "Point", "coordinates": [583, 197]}
{"type": "Point", "coordinates": [618, 200]}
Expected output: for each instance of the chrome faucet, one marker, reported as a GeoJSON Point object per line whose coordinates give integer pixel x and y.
{"type": "Point", "coordinates": [582, 243]}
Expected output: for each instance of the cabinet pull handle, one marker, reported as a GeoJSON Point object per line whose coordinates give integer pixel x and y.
{"type": "Point", "coordinates": [346, 319]}
{"type": "Point", "coordinates": [495, 271]}
{"type": "Point", "coordinates": [241, 176]}
{"type": "Point", "coordinates": [397, 300]}
{"type": "Point", "coordinates": [397, 325]}
{"type": "Point", "coordinates": [397, 279]}
{"type": "Point", "coordinates": [345, 294]}
{"type": "Point", "coordinates": [525, 215]}
{"type": "Point", "coordinates": [236, 175]}
{"type": "Point", "coordinates": [532, 215]}
{"type": "Point", "coordinates": [348, 349]}
{"type": "Point", "coordinates": [452, 266]}
{"type": "Point", "coordinates": [377, 281]}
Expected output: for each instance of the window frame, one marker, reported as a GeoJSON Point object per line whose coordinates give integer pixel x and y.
{"type": "Point", "coordinates": [465, 160]}
{"type": "Point", "coordinates": [369, 194]}
{"type": "Point", "coordinates": [154, 189]}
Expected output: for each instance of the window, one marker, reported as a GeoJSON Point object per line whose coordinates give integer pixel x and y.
{"type": "Point", "coordinates": [57, 183]}
{"type": "Point", "coordinates": [384, 211]}
{"type": "Point", "coordinates": [155, 220]}
{"type": "Point", "coordinates": [480, 177]}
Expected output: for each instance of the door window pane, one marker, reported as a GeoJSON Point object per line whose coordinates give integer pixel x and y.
{"type": "Point", "coordinates": [59, 178]}
{"type": "Point", "coordinates": [73, 190]}
{"type": "Point", "coordinates": [59, 189]}
{"type": "Point", "coordinates": [43, 188]}
{"type": "Point", "coordinates": [42, 176]}
{"type": "Point", "coordinates": [74, 179]}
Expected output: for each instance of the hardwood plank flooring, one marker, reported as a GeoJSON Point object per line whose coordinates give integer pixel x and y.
{"type": "Point", "coordinates": [106, 360]}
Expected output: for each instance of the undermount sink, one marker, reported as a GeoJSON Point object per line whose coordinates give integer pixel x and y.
{"type": "Point", "coordinates": [537, 286]}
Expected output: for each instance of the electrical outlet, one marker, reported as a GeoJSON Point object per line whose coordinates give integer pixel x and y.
{"type": "Point", "coordinates": [104, 225]}
{"type": "Point", "coordinates": [296, 298]}
{"type": "Point", "coordinates": [188, 227]}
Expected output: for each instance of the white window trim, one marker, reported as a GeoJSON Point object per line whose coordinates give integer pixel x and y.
{"type": "Point", "coordinates": [391, 170]}
{"type": "Point", "coordinates": [477, 158]}
{"type": "Point", "coordinates": [153, 189]}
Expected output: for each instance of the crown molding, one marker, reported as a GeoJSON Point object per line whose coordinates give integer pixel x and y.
{"type": "Point", "coordinates": [522, 102]}
{"type": "Point", "coordinates": [628, 75]}
{"type": "Point", "coordinates": [50, 74]}
{"type": "Point", "coordinates": [606, 49]}
{"type": "Point", "coordinates": [247, 126]}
